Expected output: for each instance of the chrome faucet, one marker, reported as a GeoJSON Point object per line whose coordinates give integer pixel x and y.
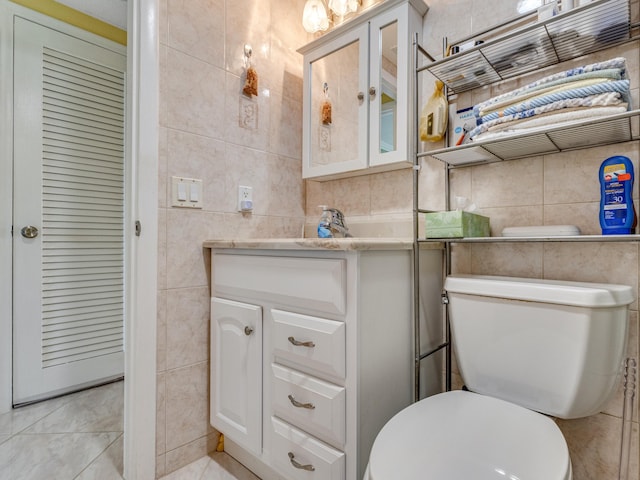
{"type": "Point", "coordinates": [337, 222]}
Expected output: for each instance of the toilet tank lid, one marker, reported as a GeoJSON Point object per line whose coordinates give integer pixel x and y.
{"type": "Point", "coordinates": [582, 294]}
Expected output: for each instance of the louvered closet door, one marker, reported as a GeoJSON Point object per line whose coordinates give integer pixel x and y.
{"type": "Point", "coordinates": [69, 184]}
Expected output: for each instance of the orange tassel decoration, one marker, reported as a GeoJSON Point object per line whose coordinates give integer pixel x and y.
{"type": "Point", "coordinates": [325, 108]}
{"type": "Point", "coordinates": [251, 83]}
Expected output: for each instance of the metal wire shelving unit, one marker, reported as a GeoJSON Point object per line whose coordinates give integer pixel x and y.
{"type": "Point", "coordinates": [511, 49]}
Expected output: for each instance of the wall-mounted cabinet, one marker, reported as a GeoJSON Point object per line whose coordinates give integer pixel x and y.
{"type": "Point", "coordinates": [363, 68]}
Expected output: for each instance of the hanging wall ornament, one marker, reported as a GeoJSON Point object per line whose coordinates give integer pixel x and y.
{"type": "Point", "coordinates": [325, 108]}
{"type": "Point", "coordinates": [251, 82]}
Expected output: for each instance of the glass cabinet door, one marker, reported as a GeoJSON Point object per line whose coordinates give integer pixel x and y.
{"type": "Point", "coordinates": [336, 123]}
{"type": "Point", "coordinates": [389, 89]}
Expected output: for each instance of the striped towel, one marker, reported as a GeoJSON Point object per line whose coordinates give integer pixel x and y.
{"type": "Point", "coordinates": [618, 63]}
{"type": "Point", "coordinates": [602, 99]}
{"type": "Point", "coordinates": [620, 86]}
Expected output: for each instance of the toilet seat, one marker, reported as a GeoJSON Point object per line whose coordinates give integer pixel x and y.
{"type": "Point", "coordinates": [461, 435]}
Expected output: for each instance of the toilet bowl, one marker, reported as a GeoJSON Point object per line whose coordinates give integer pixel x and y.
{"type": "Point", "coordinates": [527, 350]}
{"type": "Point", "coordinates": [461, 435]}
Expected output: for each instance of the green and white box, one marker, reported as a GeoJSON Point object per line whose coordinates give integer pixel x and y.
{"type": "Point", "coordinates": [456, 224]}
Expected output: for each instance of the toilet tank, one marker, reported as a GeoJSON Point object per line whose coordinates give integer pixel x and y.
{"type": "Point", "coordinates": [551, 346]}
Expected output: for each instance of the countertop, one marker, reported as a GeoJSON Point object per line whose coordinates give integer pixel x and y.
{"type": "Point", "coordinates": [321, 244]}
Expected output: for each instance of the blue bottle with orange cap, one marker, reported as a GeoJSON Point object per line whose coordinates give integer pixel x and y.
{"type": "Point", "coordinates": [617, 213]}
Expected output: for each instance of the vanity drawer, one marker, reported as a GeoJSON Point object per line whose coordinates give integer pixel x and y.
{"type": "Point", "coordinates": [299, 456]}
{"type": "Point", "coordinates": [317, 284]}
{"type": "Point", "coordinates": [309, 403]}
{"type": "Point", "coordinates": [315, 343]}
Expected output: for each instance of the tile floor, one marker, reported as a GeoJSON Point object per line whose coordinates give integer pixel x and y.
{"type": "Point", "coordinates": [79, 437]}
{"type": "Point", "coordinates": [75, 437]}
{"type": "Point", "coordinates": [215, 466]}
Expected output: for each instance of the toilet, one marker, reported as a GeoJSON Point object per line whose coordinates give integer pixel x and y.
{"type": "Point", "coordinates": [527, 350]}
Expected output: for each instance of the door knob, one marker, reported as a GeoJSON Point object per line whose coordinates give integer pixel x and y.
{"type": "Point", "coordinates": [29, 231]}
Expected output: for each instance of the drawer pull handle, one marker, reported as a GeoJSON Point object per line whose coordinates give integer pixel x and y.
{"type": "Point", "coordinates": [248, 330]}
{"type": "Point", "coordinates": [309, 468]}
{"type": "Point", "coordinates": [301, 344]}
{"type": "Point", "coordinates": [296, 403]}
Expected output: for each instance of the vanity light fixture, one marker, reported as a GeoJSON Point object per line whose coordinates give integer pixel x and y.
{"type": "Point", "coordinates": [314, 16]}
{"type": "Point", "coordinates": [342, 7]}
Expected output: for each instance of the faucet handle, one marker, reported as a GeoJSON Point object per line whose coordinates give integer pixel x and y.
{"type": "Point", "coordinates": [336, 212]}
{"type": "Point", "coordinates": [337, 222]}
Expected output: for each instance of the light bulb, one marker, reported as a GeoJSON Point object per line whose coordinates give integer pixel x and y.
{"type": "Point", "coordinates": [314, 16]}
{"type": "Point", "coordinates": [342, 7]}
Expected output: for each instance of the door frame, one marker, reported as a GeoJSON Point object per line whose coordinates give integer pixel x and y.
{"type": "Point", "coordinates": [141, 204]}
{"type": "Point", "coordinates": [142, 256]}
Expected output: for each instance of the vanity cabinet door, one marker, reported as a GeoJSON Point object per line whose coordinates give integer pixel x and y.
{"type": "Point", "coordinates": [236, 372]}
{"type": "Point", "coordinates": [336, 73]}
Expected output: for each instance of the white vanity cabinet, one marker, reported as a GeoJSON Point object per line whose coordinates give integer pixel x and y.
{"type": "Point", "coordinates": [311, 351]}
{"type": "Point", "coordinates": [364, 69]}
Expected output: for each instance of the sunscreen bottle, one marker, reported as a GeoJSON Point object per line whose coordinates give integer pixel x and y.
{"type": "Point", "coordinates": [617, 213]}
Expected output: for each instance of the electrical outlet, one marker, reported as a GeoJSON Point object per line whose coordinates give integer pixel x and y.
{"type": "Point", "coordinates": [245, 198]}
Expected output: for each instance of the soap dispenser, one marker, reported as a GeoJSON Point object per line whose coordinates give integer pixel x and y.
{"type": "Point", "coordinates": [324, 226]}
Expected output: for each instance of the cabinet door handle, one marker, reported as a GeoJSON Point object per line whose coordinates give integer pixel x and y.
{"type": "Point", "coordinates": [309, 468]}
{"type": "Point", "coordinates": [296, 403]}
{"type": "Point", "coordinates": [248, 330]}
{"type": "Point", "coordinates": [360, 96]}
{"type": "Point", "coordinates": [372, 92]}
{"type": "Point", "coordinates": [301, 344]}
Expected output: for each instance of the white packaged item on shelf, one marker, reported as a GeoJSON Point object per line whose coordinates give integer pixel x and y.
{"type": "Point", "coordinates": [542, 231]}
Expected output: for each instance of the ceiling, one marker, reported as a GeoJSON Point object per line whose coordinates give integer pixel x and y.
{"type": "Point", "coordinates": [113, 12]}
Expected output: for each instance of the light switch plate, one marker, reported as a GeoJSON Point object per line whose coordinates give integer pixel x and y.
{"type": "Point", "coordinates": [186, 192]}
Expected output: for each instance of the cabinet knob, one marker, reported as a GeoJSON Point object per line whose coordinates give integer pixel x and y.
{"type": "Point", "coordinates": [248, 330]}
{"type": "Point", "coordinates": [298, 343]}
{"type": "Point", "coordinates": [295, 403]}
{"type": "Point", "coordinates": [361, 96]}
{"type": "Point", "coordinates": [309, 468]}
{"type": "Point", "coordinates": [372, 92]}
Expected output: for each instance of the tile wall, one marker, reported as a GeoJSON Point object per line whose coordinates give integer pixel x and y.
{"type": "Point", "coordinates": [208, 130]}
{"type": "Point", "coordinates": [550, 189]}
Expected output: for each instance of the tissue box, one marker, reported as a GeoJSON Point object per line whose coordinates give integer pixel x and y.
{"type": "Point", "coordinates": [456, 224]}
